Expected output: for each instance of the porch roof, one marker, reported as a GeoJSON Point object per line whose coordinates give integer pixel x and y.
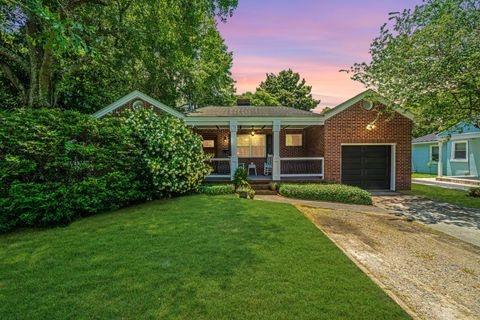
{"type": "Point", "coordinates": [250, 111]}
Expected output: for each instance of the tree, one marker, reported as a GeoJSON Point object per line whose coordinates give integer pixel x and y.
{"type": "Point", "coordinates": [88, 52]}
{"type": "Point", "coordinates": [428, 62]}
{"type": "Point", "coordinates": [289, 90]}
{"type": "Point", "coordinates": [260, 98]}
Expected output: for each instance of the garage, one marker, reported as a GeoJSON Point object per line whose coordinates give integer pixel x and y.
{"type": "Point", "coordinates": [367, 166]}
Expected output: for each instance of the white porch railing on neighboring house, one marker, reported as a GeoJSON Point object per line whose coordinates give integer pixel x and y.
{"type": "Point", "coordinates": [221, 168]}
{"type": "Point", "coordinates": [302, 167]}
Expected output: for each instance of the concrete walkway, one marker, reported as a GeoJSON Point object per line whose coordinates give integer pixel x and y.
{"type": "Point", "coordinates": [443, 184]}
{"type": "Point", "coordinates": [459, 222]}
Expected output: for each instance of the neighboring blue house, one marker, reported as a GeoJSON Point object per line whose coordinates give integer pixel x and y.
{"type": "Point", "coordinates": [455, 152]}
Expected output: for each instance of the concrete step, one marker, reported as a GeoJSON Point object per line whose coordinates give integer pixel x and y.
{"type": "Point", "coordinates": [260, 187]}
{"type": "Point", "coordinates": [265, 192]}
{"type": "Point", "coordinates": [473, 182]}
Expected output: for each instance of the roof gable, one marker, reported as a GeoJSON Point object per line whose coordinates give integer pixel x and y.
{"type": "Point", "coordinates": [359, 97]}
{"type": "Point", "coordinates": [460, 128]}
{"type": "Point", "coordinates": [137, 95]}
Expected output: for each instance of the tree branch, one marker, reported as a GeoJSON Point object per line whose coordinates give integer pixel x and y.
{"type": "Point", "coordinates": [13, 78]}
{"type": "Point", "coordinates": [14, 57]}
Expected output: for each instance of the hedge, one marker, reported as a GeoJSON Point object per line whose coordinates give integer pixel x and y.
{"type": "Point", "coordinates": [217, 189]}
{"type": "Point", "coordinates": [325, 192]}
{"type": "Point", "coordinates": [58, 165]}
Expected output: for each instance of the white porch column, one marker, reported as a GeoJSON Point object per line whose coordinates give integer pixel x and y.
{"type": "Point", "coordinates": [233, 148]}
{"type": "Point", "coordinates": [276, 150]}
{"type": "Point", "coordinates": [440, 159]}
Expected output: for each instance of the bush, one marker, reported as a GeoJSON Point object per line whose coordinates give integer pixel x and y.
{"type": "Point", "coordinates": [56, 165]}
{"type": "Point", "coordinates": [246, 191]}
{"type": "Point", "coordinates": [216, 189]}
{"type": "Point", "coordinates": [325, 192]}
{"type": "Point", "coordinates": [240, 177]}
{"type": "Point", "coordinates": [173, 154]}
{"type": "Point", "coordinates": [474, 192]}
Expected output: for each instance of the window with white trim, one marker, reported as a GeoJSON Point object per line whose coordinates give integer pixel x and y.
{"type": "Point", "coordinates": [249, 146]}
{"type": "Point", "coordinates": [459, 150]}
{"type": "Point", "coordinates": [293, 140]}
{"type": "Point", "coordinates": [434, 151]}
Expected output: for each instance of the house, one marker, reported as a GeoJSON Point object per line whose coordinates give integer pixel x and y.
{"type": "Point", "coordinates": [351, 144]}
{"type": "Point", "coordinates": [455, 152]}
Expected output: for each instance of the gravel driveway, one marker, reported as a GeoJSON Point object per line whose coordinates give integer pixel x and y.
{"type": "Point", "coordinates": [434, 275]}
{"type": "Point", "coordinates": [460, 222]}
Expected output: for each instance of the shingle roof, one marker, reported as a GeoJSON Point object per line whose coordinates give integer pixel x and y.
{"type": "Point", "coordinates": [250, 111]}
{"type": "Point", "coordinates": [432, 137]}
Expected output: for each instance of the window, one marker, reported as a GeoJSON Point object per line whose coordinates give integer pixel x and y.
{"type": "Point", "coordinates": [249, 146]}
{"type": "Point", "coordinates": [459, 150]}
{"type": "Point", "coordinates": [434, 153]}
{"type": "Point", "coordinates": [293, 140]}
{"type": "Point", "coordinates": [209, 143]}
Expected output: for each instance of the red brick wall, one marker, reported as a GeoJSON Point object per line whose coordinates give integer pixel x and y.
{"type": "Point", "coordinates": [349, 126]}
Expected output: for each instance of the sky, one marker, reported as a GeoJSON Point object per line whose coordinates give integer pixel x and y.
{"type": "Point", "coordinates": [316, 38]}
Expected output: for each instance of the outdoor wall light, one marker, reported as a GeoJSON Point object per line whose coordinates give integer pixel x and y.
{"type": "Point", "coordinates": [371, 126]}
{"type": "Point", "coordinates": [253, 132]}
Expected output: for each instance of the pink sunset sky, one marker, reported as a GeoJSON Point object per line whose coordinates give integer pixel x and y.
{"type": "Point", "coordinates": [314, 38]}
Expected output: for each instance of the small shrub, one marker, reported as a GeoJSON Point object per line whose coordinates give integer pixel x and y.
{"type": "Point", "coordinates": [474, 192]}
{"type": "Point", "coordinates": [240, 177]}
{"type": "Point", "coordinates": [217, 189]}
{"type": "Point", "coordinates": [326, 192]}
{"type": "Point", "coordinates": [246, 191]}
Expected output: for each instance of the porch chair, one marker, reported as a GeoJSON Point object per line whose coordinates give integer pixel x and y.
{"type": "Point", "coordinates": [268, 166]}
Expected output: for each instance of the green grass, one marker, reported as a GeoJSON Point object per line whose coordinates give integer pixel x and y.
{"type": "Point", "coordinates": [456, 197]}
{"type": "Point", "coordinates": [423, 175]}
{"type": "Point", "coordinates": [196, 257]}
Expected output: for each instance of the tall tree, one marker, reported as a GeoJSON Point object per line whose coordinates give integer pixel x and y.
{"type": "Point", "coordinates": [428, 62]}
{"type": "Point", "coordinates": [259, 98]}
{"type": "Point", "coordinates": [289, 90]}
{"type": "Point", "coordinates": [87, 52]}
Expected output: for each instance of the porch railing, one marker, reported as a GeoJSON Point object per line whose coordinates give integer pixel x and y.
{"type": "Point", "coordinates": [220, 168]}
{"type": "Point", "coordinates": [302, 167]}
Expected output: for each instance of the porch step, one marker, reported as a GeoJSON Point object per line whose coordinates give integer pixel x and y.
{"type": "Point", "coordinates": [260, 186]}
{"type": "Point", "coordinates": [265, 192]}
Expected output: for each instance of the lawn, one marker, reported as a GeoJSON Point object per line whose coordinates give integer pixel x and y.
{"type": "Point", "coordinates": [423, 175]}
{"type": "Point", "coordinates": [457, 197]}
{"type": "Point", "coordinates": [195, 257]}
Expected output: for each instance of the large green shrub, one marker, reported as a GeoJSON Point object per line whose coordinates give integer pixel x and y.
{"type": "Point", "coordinates": [57, 165]}
{"type": "Point", "coordinates": [172, 153]}
{"type": "Point", "coordinates": [325, 192]}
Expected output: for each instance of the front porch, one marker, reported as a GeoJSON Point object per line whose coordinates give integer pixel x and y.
{"type": "Point", "coordinates": [275, 152]}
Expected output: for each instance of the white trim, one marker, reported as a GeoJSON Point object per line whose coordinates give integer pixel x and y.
{"type": "Point", "coordinates": [452, 152]}
{"type": "Point", "coordinates": [359, 97]}
{"type": "Point", "coordinates": [393, 157]}
{"type": "Point", "coordinates": [431, 152]}
{"type": "Point", "coordinates": [426, 142]}
{"type": "Point", "coordinates": [137, 95]}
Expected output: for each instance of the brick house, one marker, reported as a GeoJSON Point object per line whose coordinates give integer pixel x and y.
{"type": "Point", "coordinates": [354, 143]}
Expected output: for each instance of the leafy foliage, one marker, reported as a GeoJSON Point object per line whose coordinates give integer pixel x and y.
{"type": "Point", "coordinates": [240, 177]}
{"type": "Point", "coordinates": [474, 192]}
{"type": "Point", "coordinates": [428, 61]}
{"type": "Point", "coordinates": [289, 90]}
{"type": "Point", "coordinates": [260, 98]}
{"type": "Point", "coordinates": [172, 153]}
{"type": "Point", "coordinates": [325, 192]}
{"type": "Point", "coordinates": [55, 166]}
{"type": "Point", "coordinates": [82, 54]}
